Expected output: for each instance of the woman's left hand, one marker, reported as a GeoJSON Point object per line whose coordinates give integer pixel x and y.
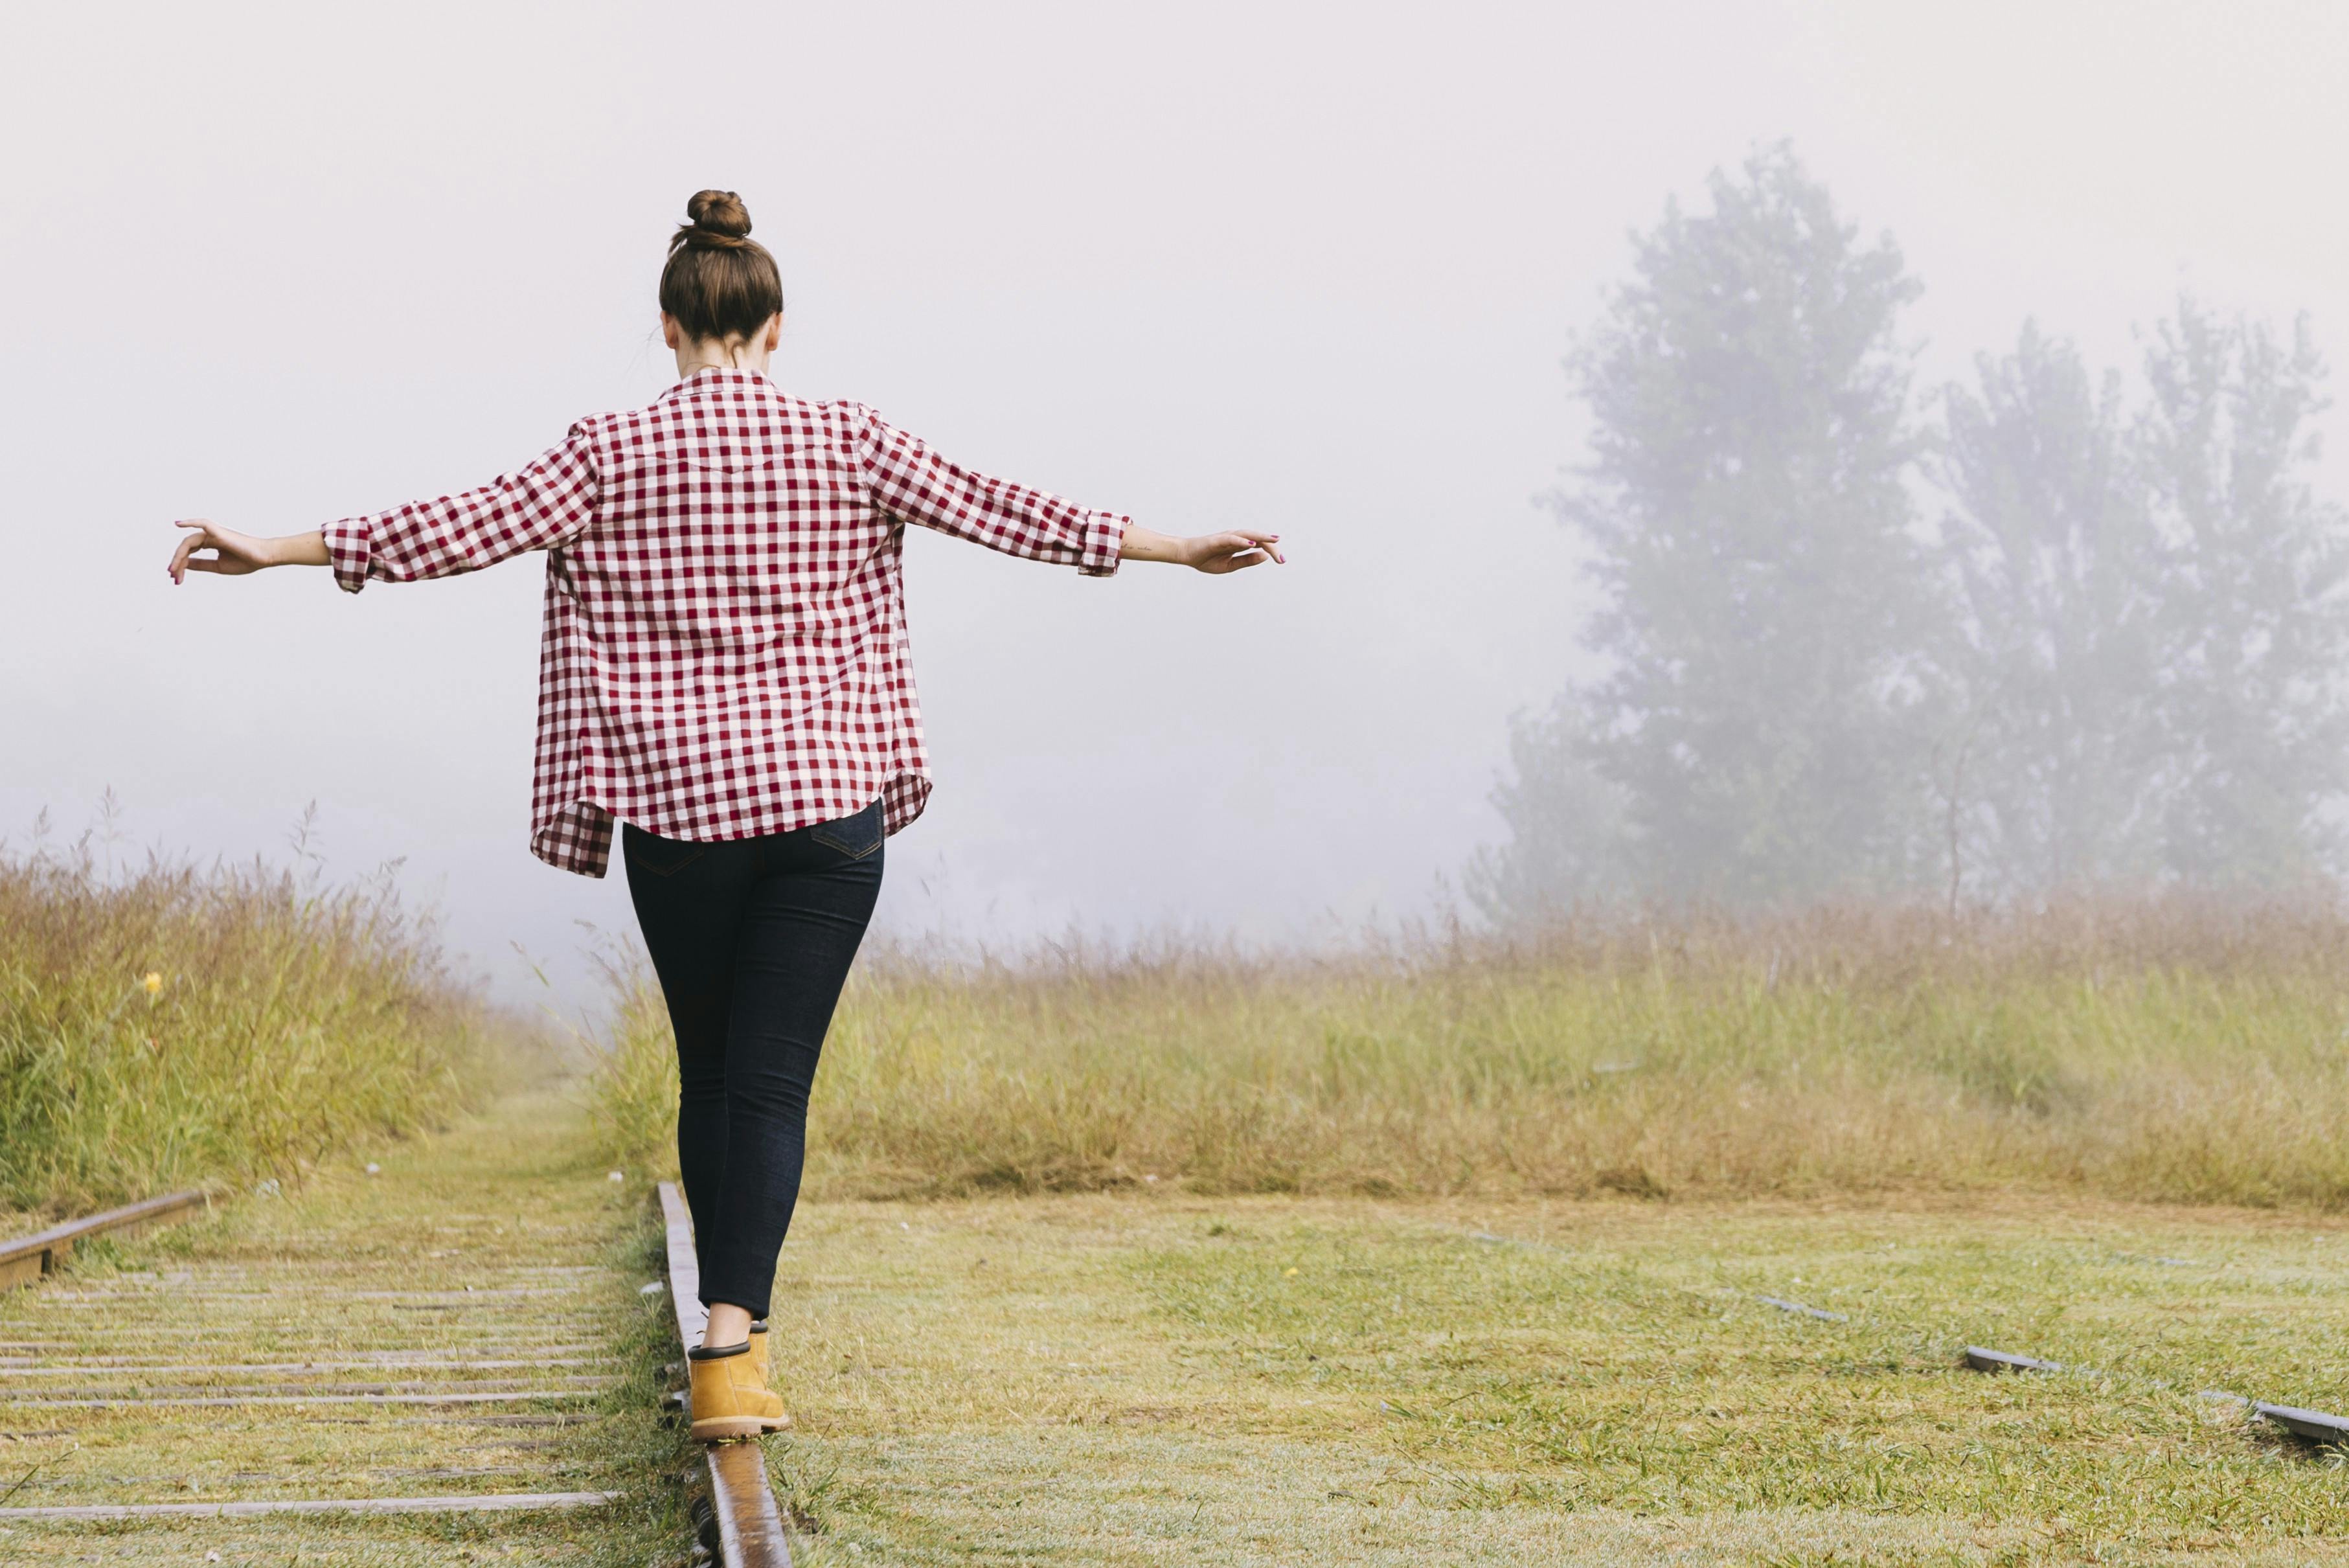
{"type": "Point", "coordinates": [1230, 552]}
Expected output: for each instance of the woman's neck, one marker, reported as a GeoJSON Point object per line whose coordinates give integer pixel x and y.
{"type": "Point", "coordinates": [705, 354]}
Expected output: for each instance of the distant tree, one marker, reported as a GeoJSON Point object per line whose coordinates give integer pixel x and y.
{"type": "Point", "coordinates": [1566, 823]}
{"type": "Point", "coordinates": [2252, 627]}
{"type": "Point", "coordinates": [2046, 696]}
{"type": "Point", "coordinates": [1746, 506]}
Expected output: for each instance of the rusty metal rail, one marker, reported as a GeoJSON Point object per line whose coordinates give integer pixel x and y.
{"type": "Point", "coordinates": [27, 1258]}
{"type": "Point", "coordinates": [749, 1527]}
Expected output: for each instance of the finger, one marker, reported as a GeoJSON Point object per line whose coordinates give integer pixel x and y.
{"type": "Point", "coordinates": [1246, 537]}
{"type": "Point", "coordinates": [188, 544]}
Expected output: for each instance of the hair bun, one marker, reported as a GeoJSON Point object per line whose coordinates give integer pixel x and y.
{"type": "Point", "coordinates": [716, 218]}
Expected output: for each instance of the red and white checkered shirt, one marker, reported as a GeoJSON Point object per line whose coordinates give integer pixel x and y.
{"type": "Point", "coordinates": [724, 653]}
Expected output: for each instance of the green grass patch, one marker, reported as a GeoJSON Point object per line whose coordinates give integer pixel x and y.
{"type": "Point", "coordinates": [1123, 1380]}
{"type": "Point", "coordinates": [181, 1024]}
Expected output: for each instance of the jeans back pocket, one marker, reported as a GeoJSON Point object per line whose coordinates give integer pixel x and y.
{"type": "Point", "coordinates": [856, 836]}
{"type": "Point", "coordinates": [661, 856]}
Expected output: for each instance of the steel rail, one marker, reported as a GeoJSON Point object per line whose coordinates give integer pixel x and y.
{"type": "Point", "coordinates": [750, 1533]}
{"type": "Point", "coordinates": [27, 1258]}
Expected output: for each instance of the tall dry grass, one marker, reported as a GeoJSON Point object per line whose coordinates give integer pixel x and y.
{"type": "Point", "coordinates": [2175, 1048]}
{"type": "Point", "coordinates": [179, 1024]}
{"type": "Point", "coordinates": [631, 1081]}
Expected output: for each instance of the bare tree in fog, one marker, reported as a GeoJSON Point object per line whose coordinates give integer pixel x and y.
{"type": "Point", "coordinates": [1746, 512]}
{"type": "Point", "coordinates": [2120, 663]}
{"type": "Point", "coordinates": [2046, 690]}
{"type": "Point", "coordinates": [1567, 822]}
{"type": "Point", "coordinates": [2253, 627]}
{"type": "Point", "coordinates": [2151, 638]}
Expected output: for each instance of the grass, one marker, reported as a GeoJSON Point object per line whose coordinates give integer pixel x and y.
{"type": "Point", "coordinates": [1158, 1375]}
{"type": "Point", "coordinates": [631, 1084]}
{"type": "Point", "coordinates": [1165, 1256]}
{"type": "Point", "coordinates": [1144, 1257]}
{"type": "Point", "coordinates": [1130, 1380]}
{"type": "Point", "coordinates": [181, 1024]}
{"type": "Point", "coordinates": [507, 1201]}
{"type": "Point", "coordinates": [2165, 1050]}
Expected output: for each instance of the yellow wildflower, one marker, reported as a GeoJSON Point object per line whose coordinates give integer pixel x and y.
{"type": "Point", "coordinates": [154, 982]}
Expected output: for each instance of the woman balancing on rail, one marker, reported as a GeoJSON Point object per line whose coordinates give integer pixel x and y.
{"type": "Point", "coordinates": [724, 672]}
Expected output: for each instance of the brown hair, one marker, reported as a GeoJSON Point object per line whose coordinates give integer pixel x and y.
{"type": "Point", "coordinates": [719, 283]}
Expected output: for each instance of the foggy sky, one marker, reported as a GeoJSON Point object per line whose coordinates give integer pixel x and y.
{"type": "Point", "coordinates": [1310, 267]}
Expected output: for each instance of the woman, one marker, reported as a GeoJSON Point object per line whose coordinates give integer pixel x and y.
{"type": "Point", "coordinates": [724, 672]}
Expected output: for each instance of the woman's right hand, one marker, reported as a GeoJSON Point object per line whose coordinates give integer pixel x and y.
{"type": "Point", "coordinates": [236, 554]}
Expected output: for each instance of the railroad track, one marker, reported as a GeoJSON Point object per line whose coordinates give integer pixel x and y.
{"type": "Point", "coordinates": [423, 1360]}
{"type": "Point", "coordinates": [28, 1258]}
{"type": "Point", "coordinates": [742, 1526]}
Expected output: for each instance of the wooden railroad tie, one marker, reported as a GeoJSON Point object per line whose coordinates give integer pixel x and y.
{"type": "Point", "coordinates": [47, 1373]}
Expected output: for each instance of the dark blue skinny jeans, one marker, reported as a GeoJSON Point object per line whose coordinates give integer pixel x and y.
{"type": "Point", "coordinates": [751, 938]}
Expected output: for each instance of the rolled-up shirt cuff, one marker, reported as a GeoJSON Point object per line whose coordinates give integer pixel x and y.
{"type": "Point", "coordinates": [350, 547]}
{"type": "Point", "coordinates": [1103, 536]}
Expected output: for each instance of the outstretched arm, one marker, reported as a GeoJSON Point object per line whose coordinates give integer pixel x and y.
{"type": "Point", "coordinates": [915, 484]}
{"type": "Point", "coordinates": [547, 503]}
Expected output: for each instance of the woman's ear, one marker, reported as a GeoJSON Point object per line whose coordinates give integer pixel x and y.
{"type": "Point", "coordinates": [668, 328]}
{"type": "Point", "coordinates": [774, 330]}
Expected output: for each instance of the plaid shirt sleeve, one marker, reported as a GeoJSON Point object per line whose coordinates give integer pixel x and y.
{"type": "Point", "coordinates": [549, 503]}
{"type": "Point", "coordinates": [911, 484]}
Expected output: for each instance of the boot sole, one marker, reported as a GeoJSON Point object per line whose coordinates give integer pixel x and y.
{"type": "Point", "coordinates": [715, 1428]}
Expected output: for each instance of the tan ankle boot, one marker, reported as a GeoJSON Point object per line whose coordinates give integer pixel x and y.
{"type": "Point", "coordinates": [728, 1398]}
{"type": "Point", "coordinates": [766, 1374]}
